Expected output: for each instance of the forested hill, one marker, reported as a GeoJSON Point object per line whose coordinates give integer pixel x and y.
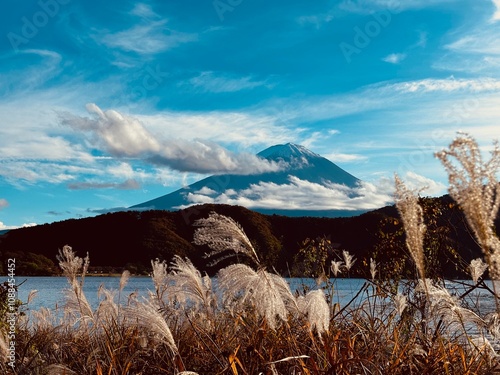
{"type": "Point", "coordinates": [130, 240]}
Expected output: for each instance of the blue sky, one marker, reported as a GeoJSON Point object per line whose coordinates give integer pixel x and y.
{"type": "Point", "coordinates": [110, 104]}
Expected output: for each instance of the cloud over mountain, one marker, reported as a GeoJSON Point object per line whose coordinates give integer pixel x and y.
{"type": "Point", "coordinates": [312, 184]}
{"type": "Point", "coordinates": [298, 195]}
{"type": "Point", "coordinates": [125, 136]}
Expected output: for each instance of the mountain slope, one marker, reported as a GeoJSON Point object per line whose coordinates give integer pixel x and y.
{"type": "Point", "coordinates": [261, 192]}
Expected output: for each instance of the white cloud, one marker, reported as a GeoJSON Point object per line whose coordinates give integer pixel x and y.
{"type": "Point", "coordinates": [261, 128]}
{"type": "Point", "coordinates": [340, 157]}
{"type": "Point", "coordinates": [434, 97]}
{"type": "Point", "coordinates": [394, 58]}
{"type": "Point", "coordinates": [125, 170]}
{"type": "Point", "coordinates": [483, 41]}
{"type": "Point", "coordinates": [125, 136]}
{"type": "Point", "coordinates": [470, 64]}
{"type": "Point", "coordinates": [44, 65]}
{"type": "Point", "coordinates": [211, 82]}
{"type": "Point", "coordinates": [40, 146]}
{"type": "Point", "coordinates": [3, 203]}
{"type": "Point", "coordinates": [475, 48]}
{"type": "Point", "coordinates": [21, 172]}
{"type": "Point", "coordinates": [496, 15]}
{"type": "Point", "coordinates": [428, 186]}
{"type": "Point", "coordinates": [144, 11]}
{"type": "Point", "coordinates": [448, 85]}
{"type": "Point", "coordinates": [34, 147]}
{"type": "Point", "coordinates": [119, 135]}
{"type": "Point", "coordinates": [422, 40]}
{"type": "Point", "coordinates": [8, 227]}
{"type": "Point", "coordinates": [205, 191]}
{"type": "Point", "coordinates": [126, 185]}
{"type": "Point", "coordinates": [303, 195]}
{"type": "Point", "coordinates": [148, 38]}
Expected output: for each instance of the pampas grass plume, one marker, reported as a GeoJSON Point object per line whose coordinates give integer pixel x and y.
{"type": "Point", "coordinates": [474, 186]}
{"type": "Point", "coordinates": [413, 220]}
{"type": "Point", "coordinates": [477, 268]}
{"type": "Point", "coordinates": [222, 233]}
{"type": "Point", "coordinates": [268, 293]}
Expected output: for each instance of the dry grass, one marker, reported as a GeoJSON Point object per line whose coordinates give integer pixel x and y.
{"type": "Point", "coordinates": [257, 326]}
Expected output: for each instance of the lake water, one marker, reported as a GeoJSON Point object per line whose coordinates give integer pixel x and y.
{"type": "Point", "coordinates": [50, 290]}
{"type": "Point", "coordinates": [50, 293]}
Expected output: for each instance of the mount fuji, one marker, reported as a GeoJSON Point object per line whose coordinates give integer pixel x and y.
{"type": "Point", "coordinates": [307, 185]}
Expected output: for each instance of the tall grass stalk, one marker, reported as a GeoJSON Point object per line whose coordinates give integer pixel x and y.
{"type": "Point", "coordinates": [474, 185]}
{"type": "Point", "coordinates": [412, 217]}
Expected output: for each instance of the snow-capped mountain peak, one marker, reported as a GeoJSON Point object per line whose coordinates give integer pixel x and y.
{"type": "Point", "coordinates": [311, 185]}
{"type": "Point", "coordinates": [287, 151]}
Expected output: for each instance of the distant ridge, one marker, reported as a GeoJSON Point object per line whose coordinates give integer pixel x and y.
{"type": "Point", "coordinates": [303, 165]}
{"type": "Point", "coordinates": [130, 240]}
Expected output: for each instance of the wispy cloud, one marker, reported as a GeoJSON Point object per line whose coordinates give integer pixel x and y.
{"type": "Point", "coordinates": [125, 136]}
{"type": "Point", "coordinates": [43, 66]}
{"type": "Point", "coordinates": [58, 213]}
{"type": "Point", "coordinates": [448, 85]}
{"type": "Point", "coordinates": [340, 157]}
{"type": "Point", "coordinates": [394, 58]}
{"type": "Point", "coordinates": [427, 185]}
{"type": "Point", "coordinates": [367, 6]}
{"type": "Point", "coordinates": [3, 203]}
{"type": "Point", "coordinates": [316, 20]}
{"type": "Point", "coordinates": [422, 40]}
{"type": "Point", "coordinates": [21, 172]}
{"type": "Point", "coordinates": [219, 83]}
{"type": "Point", "coordinates": [483, 41]}
{"type": "Point", "coordinates": [144, 11]}
{"type": "Point", "coordinates": [126, 185]}
{"type": "Point", "coordinates": [263, 127]}
{"type": "Point", "coordinates": [373, 98]}
{"type": "Point", "coordinates": [147, 39]}
{"type": "Point", "coordinates": [150, 35]}
{"type": "Point", "coordinates": [475, 48]}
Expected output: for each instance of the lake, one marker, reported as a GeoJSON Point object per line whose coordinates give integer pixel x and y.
{"type": "Point", "coordinates": [51, 290]}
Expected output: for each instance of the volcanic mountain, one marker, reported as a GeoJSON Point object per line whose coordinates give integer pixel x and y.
{"type": "Point", "coordinates": [308, 185]}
